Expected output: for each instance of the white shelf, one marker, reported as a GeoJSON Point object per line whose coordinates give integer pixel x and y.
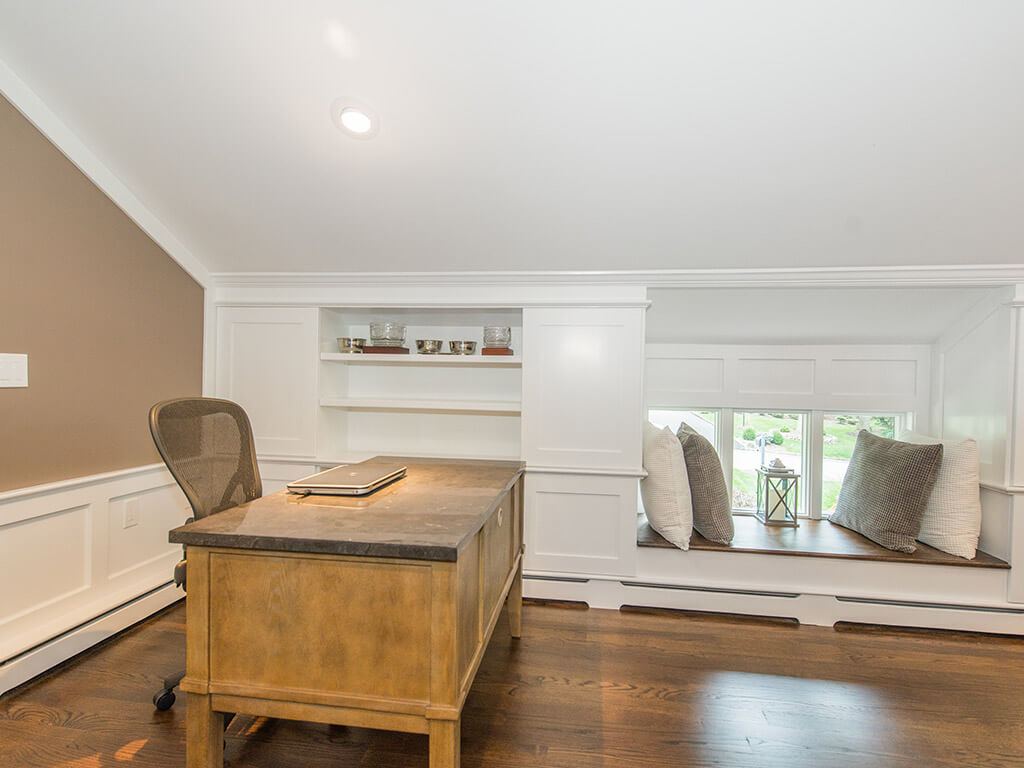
{"type": "Point", "coordinates": [491, 361]}
{"type": "Point", "coordinates": [396, 404]}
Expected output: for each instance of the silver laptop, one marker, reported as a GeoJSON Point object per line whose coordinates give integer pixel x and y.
{"type": "Point", "coordinates": [349, 480]}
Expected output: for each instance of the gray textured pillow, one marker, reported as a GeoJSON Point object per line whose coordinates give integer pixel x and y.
{"type": "Point", "coordinates": [886, 489]}
{"type": "Point", "coordinates": [712, 509]}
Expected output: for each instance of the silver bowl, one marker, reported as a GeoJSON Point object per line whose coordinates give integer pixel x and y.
{"type": "Point", "coordinates": [428, 346]}
{"type": "Point", "coordinates": [462, 347]}
{"type": "Point", "coordinates": [350, 344]}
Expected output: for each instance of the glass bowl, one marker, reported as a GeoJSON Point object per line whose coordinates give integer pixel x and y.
{"type": "Point", "coordinates": [497, 336]}
{"type": "Point", "coordinates": [387, 334]}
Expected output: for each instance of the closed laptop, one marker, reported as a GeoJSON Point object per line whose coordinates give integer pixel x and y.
{"type": "Point", "coordinates": [349, 479]}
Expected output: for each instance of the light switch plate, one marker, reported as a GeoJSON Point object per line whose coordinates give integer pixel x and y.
{"type": "Point", "coordinates": [13, 370]}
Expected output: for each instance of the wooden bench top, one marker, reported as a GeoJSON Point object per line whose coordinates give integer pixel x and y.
{"type": "Point", "coordinates": [814, 538]}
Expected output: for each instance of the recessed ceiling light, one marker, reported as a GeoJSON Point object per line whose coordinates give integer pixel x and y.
{"type": "Point", "coordinates": [354, 119]}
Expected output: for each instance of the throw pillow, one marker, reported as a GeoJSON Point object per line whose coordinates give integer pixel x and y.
{"type": "Point", "coordinates": [712, 509]}
{"type": "Point", "coordinates": [952, 520]}
{"type": "Point", "coordinates": [666, 491]}
{"type": "Point", "coordinates": [886, 490]}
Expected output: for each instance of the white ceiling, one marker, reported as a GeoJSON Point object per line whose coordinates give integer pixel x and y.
{"type": "Point", "coordinates": [549, 134]}
{"type": "Point", "coordinates": [807, 315]}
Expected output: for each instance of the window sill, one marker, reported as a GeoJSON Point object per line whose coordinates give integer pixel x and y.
{"type": "Point", "coordinates": [814, 538]}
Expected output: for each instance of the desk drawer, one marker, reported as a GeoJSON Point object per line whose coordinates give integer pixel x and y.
{"type": "Point", "coordinates": [496, 550]}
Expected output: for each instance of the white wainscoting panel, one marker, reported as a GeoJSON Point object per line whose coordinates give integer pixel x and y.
{"type": "Point", "coordinates": [580, 523]}
{"type": "Point", "coordinates": [276, 475]}
{"type": "Point", "coordinates": [874, 377]}
{"type": "Point", "coordinates": [797, 377]}
{"type": "Point", "coordinates": [58, 541]}
{"type": "Point", "coordinates": [790, 376]}
{"type": "Point", "coordinates": [68, 557]}
{"type": "Point", "coordinates": [582, 387]}
{"type": "Point", "coordinates": [268, 362]}
{"type": "Point", "coordinates": [976, 391]}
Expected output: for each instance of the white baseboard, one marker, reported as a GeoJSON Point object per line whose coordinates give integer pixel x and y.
{"type": "Point", "coordinates": [37, 660]}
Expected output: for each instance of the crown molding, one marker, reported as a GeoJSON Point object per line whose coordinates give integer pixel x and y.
{"type": "Point", "coordinates": [65, 140]}
{"type": "Point", "coordinates": [781, 277]}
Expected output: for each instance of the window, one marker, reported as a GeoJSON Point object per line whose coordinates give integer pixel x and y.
{"type": "Point", "coordinates": [793, 438]}
{"type": "Point", "coordinates": [703, 422]}
{"type": "Point", "coordinates": [759, 438]}
{"type": "Point", "coordinates": [839, 436]}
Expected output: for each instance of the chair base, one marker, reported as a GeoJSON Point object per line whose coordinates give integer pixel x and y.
{"type": "Point", "coordinates": [164, 698]}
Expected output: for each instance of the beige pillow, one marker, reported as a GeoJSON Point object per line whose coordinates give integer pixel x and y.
{"type": "Point", "coordinates": [666, 491]}
{"type": "Point", "coordinates": [712, 508]}
{"type": "Point", "coordinates": [952, 520]}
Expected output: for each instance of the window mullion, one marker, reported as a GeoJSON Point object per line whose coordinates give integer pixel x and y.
{"type": "Point", "coordinates": [725, 446]}
{"type": "Point", "coordinates": [815, 442]}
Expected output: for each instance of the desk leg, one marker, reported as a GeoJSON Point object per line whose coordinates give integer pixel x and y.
{"type": "Point", "coordinates": [204, 734]}
{"type": "Point", "coordinates": [445, 743]}
{"type": "Point", "coordinates": [515, 602]}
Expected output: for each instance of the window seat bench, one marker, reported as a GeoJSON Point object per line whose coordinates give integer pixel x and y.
{"type": "Point", "coordinates": [814, 538]}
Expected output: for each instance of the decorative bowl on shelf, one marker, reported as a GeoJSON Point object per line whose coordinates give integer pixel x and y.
{"type": "Point", "coordinates": [387, 334]}
{"type": "Point", "coordinates": [462, 347]}
{"type": "Point", "coordinates": [350, 344]}
{"type": "Point", "coordinates": [428, 346]}
{"type": "Point", "coordinates": [497, 336]}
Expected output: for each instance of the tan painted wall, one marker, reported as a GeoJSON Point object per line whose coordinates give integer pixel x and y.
{"type": "Point", "coordinates": [111, 324]}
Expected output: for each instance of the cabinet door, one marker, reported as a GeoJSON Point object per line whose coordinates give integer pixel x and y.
{"type": "Point", "coordinates": [581, 524]}
{"type": "Point", "coordinates": [267, 363]}
{"type": "Point", "coordinates": [582, 387]}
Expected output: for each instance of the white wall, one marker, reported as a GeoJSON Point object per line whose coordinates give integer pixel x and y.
{"type": "Point", "coordinates": [978, 394]}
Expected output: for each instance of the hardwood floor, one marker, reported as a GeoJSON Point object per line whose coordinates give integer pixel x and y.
{"type": "Point", "coordinates": [587, 688]}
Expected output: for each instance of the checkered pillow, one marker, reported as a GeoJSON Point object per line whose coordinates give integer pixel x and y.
{"type": "Point", "coordinates": [712, 509]}
{"type": "Point", "coordinates": [886, 490]}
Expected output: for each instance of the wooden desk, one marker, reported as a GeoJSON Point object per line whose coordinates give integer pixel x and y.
{"type": "Point", "coordinates": [373, 612]}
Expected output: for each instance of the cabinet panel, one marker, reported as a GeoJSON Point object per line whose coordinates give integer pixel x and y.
{"type": "Point", "coordinates": [267, 362]}
{"type": "Point", "coordinates": [496, 549]}
{"type": "Point", "coordinates": [581, 524]}
{"type": "Point", "coordinates": [582, 387]}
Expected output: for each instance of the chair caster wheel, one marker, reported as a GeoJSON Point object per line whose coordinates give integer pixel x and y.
{"type": "Point", "coordinates": [163, 699]}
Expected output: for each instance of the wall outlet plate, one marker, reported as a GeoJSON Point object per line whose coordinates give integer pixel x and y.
{"type": "Point", "coordinates": [13, 370]}
{"type": "Point", "coordinates": [131, 513]}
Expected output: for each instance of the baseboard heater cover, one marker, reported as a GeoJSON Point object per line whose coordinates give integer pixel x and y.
{"type": "Point", "coordinates": [934, 606]}
{"type": "Point", "coordinates": [569, 579]}
{"type": "Point", "coordinates": [85, 624]}
{"type": "Point", "coordinates": [721, 590]}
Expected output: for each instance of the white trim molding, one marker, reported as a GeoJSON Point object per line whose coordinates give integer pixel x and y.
{"type": "Point", "coordinates": [880, 276]}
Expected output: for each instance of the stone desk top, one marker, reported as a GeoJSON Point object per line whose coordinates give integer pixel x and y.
{"type": "Point", "coordinates": [430, 514]}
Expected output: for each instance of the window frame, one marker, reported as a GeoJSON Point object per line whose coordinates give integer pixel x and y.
{"type": "Point", "coordinates": [812, 439]}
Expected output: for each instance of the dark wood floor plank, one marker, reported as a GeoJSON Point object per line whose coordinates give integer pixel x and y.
{"type": "Point", "coordinates": [588, 689]}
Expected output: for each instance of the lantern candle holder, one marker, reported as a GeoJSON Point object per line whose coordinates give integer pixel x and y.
{"type": "Point", "coordinates": [777, 496]}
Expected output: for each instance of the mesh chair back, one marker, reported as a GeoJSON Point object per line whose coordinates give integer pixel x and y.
{"type": "Point", "coordinates": [207, 445]}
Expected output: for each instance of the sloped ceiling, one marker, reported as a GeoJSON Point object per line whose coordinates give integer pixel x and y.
{"type": "Point", "coordinates": [548, 134]}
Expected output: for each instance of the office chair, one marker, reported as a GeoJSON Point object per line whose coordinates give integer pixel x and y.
{"type": "Point", "coordinates": [208, 447]}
